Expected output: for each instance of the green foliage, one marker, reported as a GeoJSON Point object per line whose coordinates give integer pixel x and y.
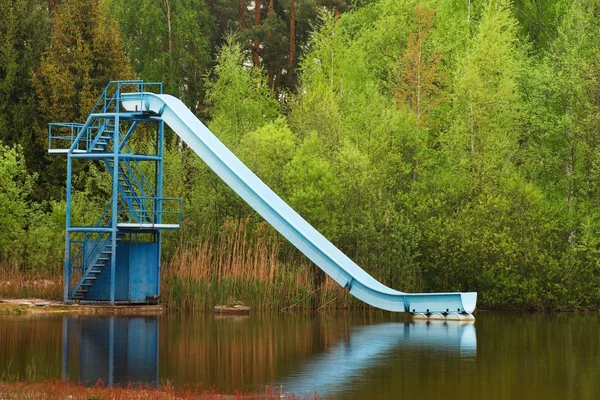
{"type": "Point", "coordinates": [24, 30]}
{"type": "Point", "coordinates": [15, 186]}
{"type": "Point", "coordinates": [267, 150]}
{"type": "Point", "coordinates": [239, 98]}
{"type": "Point", "coordinates": [169, 41]}
{"type": "Point", "coordinates": [484, 135]}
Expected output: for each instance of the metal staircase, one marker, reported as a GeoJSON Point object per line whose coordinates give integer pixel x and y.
{"type": "Point", "coordinates": [96, 264]}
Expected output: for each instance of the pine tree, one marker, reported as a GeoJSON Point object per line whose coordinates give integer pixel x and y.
{"type": "Point", "coordinates": [24, 28]}
{"type": "Point", "coordinates": [485, 133]}
{"type": "Point", "coordinates": [85, 53]}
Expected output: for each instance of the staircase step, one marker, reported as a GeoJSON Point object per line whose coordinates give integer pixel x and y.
{"type": "Point", "coordinates": [86, 284]}
{"type": "Point", "coordinates": [103, 258]}
{"type": "Point", "coordinates": [91, 278]}
{"type": "Point", "coordinates": [95, 271]}
{"type": "Point", "coordinates": [82, 291]}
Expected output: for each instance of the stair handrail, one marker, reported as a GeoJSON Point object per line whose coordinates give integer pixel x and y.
{"type": "Point", "coordinates": [89, 267]}
{"type": "Point", "coordinates": [87, 236]}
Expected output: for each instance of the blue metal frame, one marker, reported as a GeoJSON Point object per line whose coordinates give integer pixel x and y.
{"type": "Point", "coordinates": [136, 203]}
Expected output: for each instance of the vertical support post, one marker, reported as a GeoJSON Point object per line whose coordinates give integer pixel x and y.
{"type": "Point", "coordinates": [160, 149]}
{"type": "Point", "coordinates": [67, 273]}
{"type": "Point", "coordinates": [65, 347]}
{"type": "Point", "coordinates": [111, 351]}
{"type": "Point", "coordinates": [115, 210]}
{"type": "Point", "coordinates": [157, 346]}
{"type": "Point", "coordinates": [159, 193]}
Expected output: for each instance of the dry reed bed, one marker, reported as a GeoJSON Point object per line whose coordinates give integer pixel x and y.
{"type": "Point", "coordinates": [241, 263]}
{"type": "Point", "coordinates": [18, 283]}
{"type": "Point", "coordinates": [244, 264]}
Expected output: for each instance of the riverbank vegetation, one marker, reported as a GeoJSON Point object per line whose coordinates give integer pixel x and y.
{"type": "Point", "coordinates": [58, 389]}
{"type": "Point", "coordinates": [442, 145]}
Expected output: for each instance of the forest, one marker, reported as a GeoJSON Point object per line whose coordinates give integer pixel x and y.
{"type": "Point", "coordinates": [442, 145]}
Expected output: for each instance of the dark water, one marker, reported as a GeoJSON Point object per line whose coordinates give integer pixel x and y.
{"type": "Point", "coordinates": [350, 356]}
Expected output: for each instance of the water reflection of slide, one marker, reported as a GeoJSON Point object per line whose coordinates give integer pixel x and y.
{"type": "Point", "coordinates": [368, 345]}
{"type": "Point", "coordinates": [117, 350]}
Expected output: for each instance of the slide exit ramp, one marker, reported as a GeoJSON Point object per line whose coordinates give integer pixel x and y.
{"type": "Point", "coordinates": [288, 222]}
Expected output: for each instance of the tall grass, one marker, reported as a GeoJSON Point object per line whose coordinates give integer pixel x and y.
{"type": "Point", "coordinates": [242, 264]}
{"type": "Point", "coordinates": [17, 282]}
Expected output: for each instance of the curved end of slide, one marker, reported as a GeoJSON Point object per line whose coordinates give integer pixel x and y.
{"type": "Point", "coordinates": [469, 301]}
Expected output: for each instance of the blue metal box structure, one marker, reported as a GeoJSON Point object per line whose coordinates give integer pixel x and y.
{"type": "Point", "coordinates": [117, 257]}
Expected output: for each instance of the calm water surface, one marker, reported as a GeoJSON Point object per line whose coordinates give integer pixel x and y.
{"type": "Point", "coordinates": [371, 355]}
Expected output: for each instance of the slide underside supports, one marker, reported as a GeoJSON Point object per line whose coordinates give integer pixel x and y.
{"type": "Point", "coordinates": [289, 223]}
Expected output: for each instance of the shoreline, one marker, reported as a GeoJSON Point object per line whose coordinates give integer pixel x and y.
{"type": "Point", "coordinates": [61, 389]}
{"type": "Point", "coordinates": [36, 306]}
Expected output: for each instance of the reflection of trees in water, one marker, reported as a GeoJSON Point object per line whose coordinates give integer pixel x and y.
{"type": "Point", "coordinates": [234, 352]}
{"type": "Point", "coordinates": [30, 346]}
{"type": "Point", "coordinates": [529, 355]}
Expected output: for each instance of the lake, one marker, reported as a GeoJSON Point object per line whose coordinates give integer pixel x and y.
{"type": "Point", "coordinates": [369, 355]}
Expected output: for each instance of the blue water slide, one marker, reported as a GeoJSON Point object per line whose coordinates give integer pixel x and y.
{"type": "Point", "coordinates": [287, 221]}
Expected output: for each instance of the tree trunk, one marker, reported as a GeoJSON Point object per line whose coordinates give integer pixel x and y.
{"type": "Point", "coordinates": [52, 4]}
{"type": "Point", "coordinates": [168, 12]}
{"type": "Point", "coordinates": [243, 10]}
{"type": "Point", "coordinates": [292, 55]}
{"type": "Point", "coordinates": [337, 12]}
{"type": "Point", "coordinates": [270, 10]}
{"type": "Point", "coordinates": [256, 44]}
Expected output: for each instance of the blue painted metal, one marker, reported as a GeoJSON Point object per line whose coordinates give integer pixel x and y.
{"type": "Point", "coordinates": [283, 218]}
{"type": "Point", "coordinates": [103, 263]}
{"type": "Point", "coordinates": [366, 346]}
{"type": "Point", "coordinates": [116, 350]}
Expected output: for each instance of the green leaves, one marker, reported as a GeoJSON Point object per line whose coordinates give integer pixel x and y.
{"type": "Point", "coordinates": [239, 98]}
{"type": "Point", "coordinates": [15, 186]}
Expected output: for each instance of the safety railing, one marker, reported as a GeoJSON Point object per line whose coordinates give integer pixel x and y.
{"type": "Point", "coordinates": [61, 136]}
{"type": "Point", "coordinates": [110, 100]}
{"type": "Point", "coordinates": [159, 210]}
{"type": "Point", "coordinates": [81, 253]}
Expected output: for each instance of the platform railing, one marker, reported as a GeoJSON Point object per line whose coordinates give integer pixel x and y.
{"type": "Point", "coordinates": [61, 135]}
{"type": "Point", "coordinates": [169, 209]}
{"type": "Point", "coordinates": [110, 100]}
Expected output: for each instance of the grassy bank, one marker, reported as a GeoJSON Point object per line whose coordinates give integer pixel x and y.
{"type": "Point", "coordinates": [57, 389]}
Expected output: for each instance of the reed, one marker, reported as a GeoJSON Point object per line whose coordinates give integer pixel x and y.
{"type": "Point", "coordinates": [17, 282]}
{"type": "Point", "coordinates": [242, 264]}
